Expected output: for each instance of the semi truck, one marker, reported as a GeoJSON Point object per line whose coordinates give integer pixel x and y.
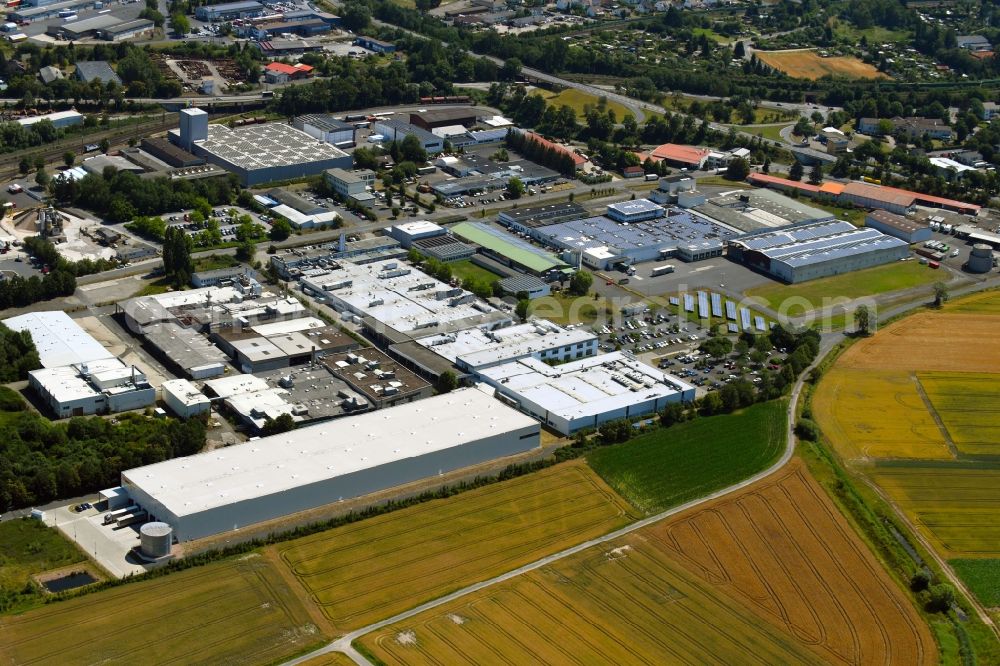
{"type": "Point", "coordinates": [113, 516]}
{"type": "Point", "coordinates": [663, 270]}
{"type": "Point", "coordinates": [131, 519]}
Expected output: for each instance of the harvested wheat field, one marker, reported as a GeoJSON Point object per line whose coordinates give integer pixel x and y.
{"type": "Point", "coordinates": [944, 341]}
{"type": "Point", "coordinates": [770, 575]}
{"type": "Point", "coordinates": [808, 64]}
{"type": "Point", "coordinates": [373, 569]}
{"type": "Point", "coordinates": [853, 406]}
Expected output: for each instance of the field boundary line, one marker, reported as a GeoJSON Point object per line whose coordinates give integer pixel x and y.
{"type": "Point", "coordinates": [344, 643]}
{"type": "Point", "coordinates": [929, 406]}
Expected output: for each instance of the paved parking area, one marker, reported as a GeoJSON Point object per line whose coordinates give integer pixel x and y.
{"type": "Point", "coordinates": [110, 547]}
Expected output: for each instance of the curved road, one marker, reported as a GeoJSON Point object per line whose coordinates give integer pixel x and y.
{"type": "Point", "coordinates": [343, 644]}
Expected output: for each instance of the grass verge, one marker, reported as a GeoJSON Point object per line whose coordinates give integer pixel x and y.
{"type": "Point", "coordinates": [27, 547]}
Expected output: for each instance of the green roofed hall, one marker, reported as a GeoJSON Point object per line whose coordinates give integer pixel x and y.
{"type": "Point", "coordinates": [508, 249]}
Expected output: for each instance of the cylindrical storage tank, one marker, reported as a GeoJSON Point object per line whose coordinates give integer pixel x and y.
{"type": "Point", "coordinates": [155, 539]}
{"type": "Point", "coordinates": [980, 259]}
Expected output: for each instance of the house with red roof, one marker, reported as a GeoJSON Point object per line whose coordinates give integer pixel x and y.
{"type": "Point", "coordinates": [279, 72]}
{"type": "Point", "coordinates": [679, 155]}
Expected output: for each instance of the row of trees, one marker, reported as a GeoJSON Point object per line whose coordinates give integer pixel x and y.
{"type": "Point", "coordinates": [18, 355]}
{"type": "Point", "coordinates": [19, 291]}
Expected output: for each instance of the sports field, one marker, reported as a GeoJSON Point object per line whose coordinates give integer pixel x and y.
{"type": "Point", "coordinates": [669, 466]}
{"type": "Point", "coordinates": [239, 611]}
{"type": "Point", "coordinates": [797, 299]}
{"type": "Point", "coordinates": [969, 406]}
{"type": "Point", "coordinates": [579, 100]}
{"type": "Point", "coordinates": [852, 405]}
{"type": "Point", "coordinates": [370, 570]}
{"type": "Point", "coordinates": [808, 64]}
{"type": "Point", "coordinates": [665, 594]}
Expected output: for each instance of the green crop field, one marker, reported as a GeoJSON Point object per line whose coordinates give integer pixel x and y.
{"type": "Point", "coordinates": [969, 406]}
{"type": "Point", "coordinates": [869, 282]}
{"type": "Point", "coordinates": [982, 577]}
{"type": "Point", "coordinates": [370, 570]}
{"type": "Point", "coordinates": [234, 612]}
{"type": "Point", "coordinates": [28, 547]}
{"type": "Point", "coordinates": [667, 467]}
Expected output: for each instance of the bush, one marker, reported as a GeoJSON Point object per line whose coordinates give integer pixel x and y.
{"type": "Point", "coordinates": [11, 400]}
{"type": "Point", "coordinates": [942, 596]}
{"type": "Point", "coordinates": [807, 429]}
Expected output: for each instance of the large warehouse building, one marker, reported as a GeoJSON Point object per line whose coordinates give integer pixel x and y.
{"type": "Point", "coordinates": [810, 251]}
{"type": "Point", "coordinates": [588, 392]}
{"type": "Point", "coordinates": [276, 476]}
{"type": "Point", "coordinates": [257, 153]}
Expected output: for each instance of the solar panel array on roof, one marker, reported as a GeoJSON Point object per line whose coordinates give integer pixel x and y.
{"type": "Point", "coordinates": [796, 234]}
{"type": "Point", "coordinates": [679, 228]}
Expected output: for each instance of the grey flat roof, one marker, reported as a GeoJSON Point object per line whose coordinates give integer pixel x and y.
{"type": "Point", "coordinates": [679, 229]}
{"type": "Point", "coordinates": [268, 145]}
{"type": "Point", "coordinates": [93, 23]}
{"type": "Point", "coordinates": [525, 216]}
{"type": "Point", "coordinates": [522, 283]}
{"type": "Point", "coordinates": [635, 207]}
{"type": "Point", "coordinates": [129, 26]}
{"type": "Point", "coordinates": [817, 243]}
{"type": "Point", "coordinates": [750, 210]}
{"type": "Point", "coordinates": [96, 69]}
{"type": "Point", "coordinates": [325, 122]}
{"type": "Point", "coordinates": [184, 346]}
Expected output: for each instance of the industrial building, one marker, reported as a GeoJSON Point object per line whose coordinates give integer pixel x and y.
{"type": "Point", "coordinates": [170, 154]}
{"type": "Point", "coordinates": [220, 276]}
{"type": "Point", "coordinates": [89, 71]}
{"type": "Point", "coordinates": [375, 45]}
{"type": "Point", "coordinates": [229, 11]}
{"type": "Point", "coordinates": [184, 399]}
{"type": "Point", "coordinates": [525, 284]}
{"type": "Point", "coordinates": [444, 117]}
{"type": "Point", "coordinates": [690, 157]}
{"type": "Point", "coordinates": [294, 262]}
{"type": "Point", "coordinates": [82, 29]}
{"type": "Point", "coordinates": [477, 175]}
{"type": "Point", "coordinates": [901, 227]}
{"type": "Point", "coordinates": [676, 189]}
{"type": "Point", "coordinates": [443, 248]}
{"type": "Point", "coordinates": [401, 298]}
{"type": "Point", "coordinates": [512, 251]}
{"type": "Point", "coordinates": [408, 232]}
{"type": "Point", "coordinates": [397, 130]}
{"type": "Point", "coordinates": [59, 119]}
{"type": "Point", "coordinates": [638, 210]}
{"type": "Point", "coordinates": [128, 30]}
{"type": "Point", "coordinates": [59, 340]}
{"type": "Point", "coordinates": [281, 344]}
{"type": "Point", "coordinates": [95, 387]}
{"type": "Point", "coordinates": [810, 251]}
{"type": "Point", "coordinates": [475, 349]}
{"type": "Point", "coordinates": [279, 72]}
{"type": "Point", "coordinates": [351, 184]}
{"type": "Point", "coordinates": [522, 219]}
{"type": "Point", "coordinates": [605, 243]}
{"type": "Point", "coordinates": [186, 350]}
{"type": "Point", "coordinates": [753, 210]}
{"type": "Point", "coordinates": [257, 153]}
{"type": "Point", "coordinates": [587, 392]}
{"type": "Point", "coordinates": [379, 378]}
{"type": "Point", "coordinates": [326, 128]}
{"type": "Point", "coordinates": [309, 394]}
{"type": "Point", "coordinates": [865, 195]}
{"type": "Point", "coordinates": [218, 491]}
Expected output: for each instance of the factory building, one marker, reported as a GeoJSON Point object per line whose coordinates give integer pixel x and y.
{"type": "Point", "coordinates": [901, 227]}
{"type": "Point", "coordinates": [375, 45]}
{"type": "Point", "coordinates": [512, 251]}
{"type": "Point", "coordinates": [95, 387]}
{"type": "Point", "coordinates": [186, 350]}
{"type": "Point", "coordinates": [475, 349]}
{"type": "Point", "coordinates": [170, 154]}
{"type": "Point", "coordinates": [399, 297]}
{"type": "Point", "coordinates": [678, 155]}
{"type": "Point", "coordinates": [59, 119]}
{"type": "Point", "coordinates": [444, 248]}
{"type": "Point", "coordinates": [397, 130]}
{"type": "Point", "coordinates": [606, 244]}
{"type": "Point", "coordinates": [184, 399]}
{"type": "Point", "coordinates": [279, 72]}
{"type": "Point", "coordinates": [82, 29]}
{"type": "Point", "coordinates": [294, 262]}
{"type": "Point", "coordinates": [408, 232]}
{"type": "Point", "coordinates": [326, 128]}
{"type": "Point", "coordinates": [257, 153]}
{"type": "Point", "coordinates": [676, 189]}
{"type": "Point", "coordinates": [379, 378]}
{"type": "Point", "coordinates": [753, 210]}
{"type": "Point", "coordinates": [220, 276]}
{"type": "Point", "coordinates": [810, 251]}
{"type": "Point", "coordinates": [444, 117]}
{"type": "Point", "coordinates": [282, 344]}
{"type": "Point", "coordinates": [126, 30]}
{"type": "Point", "coordinates": [229, 11]}
{"type": "Point", "coordinates": [60, 341]}
{"type": "Point", "coordinates": [523, 219]}
{"type": "Point", "coordinates": [525, 284]}
{"type": "Point", "coordinates": [639, 210]}
{"type": "Point", "coordinates": [587, 392]}
{"type": "Point", "coordinates": [242, 485]}
{"type": "Point", "coordinates": [351, 184]}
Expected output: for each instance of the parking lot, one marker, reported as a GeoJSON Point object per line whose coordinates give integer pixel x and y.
{"type": "Point", "coordinates": [126, 10]}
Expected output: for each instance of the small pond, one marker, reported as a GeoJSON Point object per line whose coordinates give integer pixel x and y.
{"type": "Point", "coordinates": [70, 582]}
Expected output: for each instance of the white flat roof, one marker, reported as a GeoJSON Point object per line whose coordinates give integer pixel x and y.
{"type": "Point", "coordinates": [185, 392]}
{"type": "Point", "coordinates": [477, 347]}
{"type": "Point", "coordinates": [325, 451]}
{"type": "Point", "coordinates": [288, 326]}
{"type": "Point", "coordinates": [66, 383]}
{"type": "Point", "coordinates": [225, 387]}
{"type": "Point", "coordinates": [299, 219]}
{"type": "Point", "coordinates": [587, 387]}
{"type": "Point", "coordinates": [399, 296]}
{"type": "Point", "coordinates": [60, 340]}
{"type": "Point", "coordinates": [417, 227]}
